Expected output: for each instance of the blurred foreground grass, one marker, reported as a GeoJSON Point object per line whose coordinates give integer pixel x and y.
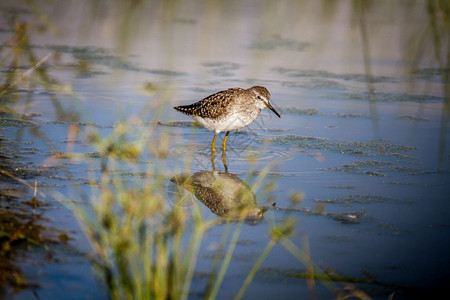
{"type": "Point", "coordinates": [146, 245]}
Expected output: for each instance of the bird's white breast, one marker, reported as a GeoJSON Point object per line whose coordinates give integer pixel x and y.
{"type": "Point", "coordinates": [230, 122]}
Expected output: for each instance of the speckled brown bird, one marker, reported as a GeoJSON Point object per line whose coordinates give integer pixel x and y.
{"type": "Point", "coordinates": [229, 110]}
{"type": "Point", "coordinates": [225, 194]}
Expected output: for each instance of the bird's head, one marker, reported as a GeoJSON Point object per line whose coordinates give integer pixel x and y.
{"type": "Point", "coordinates": [263, 98]}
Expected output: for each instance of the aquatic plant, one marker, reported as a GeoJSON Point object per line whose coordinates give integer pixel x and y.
{"type": "Point", "coordinates": [22, 225]}
{"type": "Point", "coordinates": [144, 246]}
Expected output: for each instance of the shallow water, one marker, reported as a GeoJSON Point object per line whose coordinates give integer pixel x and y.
{"type": "Point", "coordinates": [372, 166]}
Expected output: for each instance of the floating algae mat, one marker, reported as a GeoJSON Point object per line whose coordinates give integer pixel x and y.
{"type": "Point", "coordinates": [370, 148]}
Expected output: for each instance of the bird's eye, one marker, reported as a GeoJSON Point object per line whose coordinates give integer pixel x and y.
{"type": "Point", "coordinates": [259, 97]}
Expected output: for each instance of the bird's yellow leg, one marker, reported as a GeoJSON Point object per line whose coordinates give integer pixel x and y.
{"type": "Point", "coordinates": [213, 143]}
{"type": "Point", "coordinates": [224, 160]}
{"type": "Point", "coordinates": [213, 156]}
{"type": "Point", "coordinates": [224, 143]}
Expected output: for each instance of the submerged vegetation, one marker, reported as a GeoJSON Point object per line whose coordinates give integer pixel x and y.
{"type": "Point", "coordinates": [23, 226]}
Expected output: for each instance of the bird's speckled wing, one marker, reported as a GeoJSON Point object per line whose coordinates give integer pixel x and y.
{"type": "Point", "coordinates": [212, 106]}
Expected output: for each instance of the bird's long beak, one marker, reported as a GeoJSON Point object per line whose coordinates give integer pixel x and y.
{"type": "Point", "coordinates": [269, 106]}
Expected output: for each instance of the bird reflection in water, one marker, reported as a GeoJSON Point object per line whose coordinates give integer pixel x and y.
{"type": "Point", "coordinates": [224, 193]}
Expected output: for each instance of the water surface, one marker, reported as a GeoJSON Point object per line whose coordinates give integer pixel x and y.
{"type": "Point", "coordinates": [364, 142]}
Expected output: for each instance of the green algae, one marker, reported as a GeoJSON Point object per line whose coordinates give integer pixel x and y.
{"type": "Point", "coordinates": [373, 168]}
{"type": "Point", "coordinates": [105, 57]}
{"type": "Point", "coordinates": [314, 84]}
{"type": "Point", "coordinates": [278, 42]}
{"type": "Point", "coordinates": [300, 111]}
{"type": "Point", "coordinates": [370, 148]}
{"type": "Point", "coordinates": [298, 73]}
{"type": "Point", "coordinates": [177, 124]}
{"type": "Point", "coordinates": [345, 187]}
{"type": "Point", "coordinates": [328, 275]}
{"type": "Point", "coordinates": [222, 68]}
{"type": "Point", "coordinates": [22, 228]}
{"type": "Point", "coordinates": [413, 118]}
{"type": "Point", "coordinates": [314, 112]}
{"type": "Point", "coordinates": [361, 199]}
{"type": "Point", "coordinates": [392, 97]}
